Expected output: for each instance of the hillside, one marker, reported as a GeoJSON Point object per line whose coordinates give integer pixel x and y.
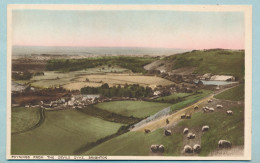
{"type": "Point", "coordinates": [215, 61]}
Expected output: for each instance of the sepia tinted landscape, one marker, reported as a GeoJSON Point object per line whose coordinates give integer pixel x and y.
{"type": "Point", "coordinates": [184, 97]}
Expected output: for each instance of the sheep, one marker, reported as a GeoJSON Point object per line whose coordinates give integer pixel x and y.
{"type": "Point", "coordinates": [229, 112]}
{"type": "Point", "coordinates": [185, 131]}
{"type": "Point", "coordinates": [196, 148]}
{"type": "Point", "coordinates": [219, 106]}
{"type": "Point", "coordinates": [188, 149]}
{"type": "Point", "coordinates": [196, 107]}
{"type": "Point", "coordinates": [157, 148]}
{"type": "Point", "coordinates": [204, 110]}
{"type": "Point", "coordinates": [161, 148]}
{"type": "Point", "coordinates": [205, 128]}
{"type": "Point", "coordinates": [191, 136]}
{"type": "Point", "coordinates": [224, 144]}
{"type": "Point", "coordinates": [211, 109]}
{"type": "Point", "coordinates": [167, 132]}
{"type": "Point", "coordinates": [154, 148]}
{"type": "Point", "coordinates": [188, 116]}
{"type": "Point", "coordinates": [209, 101]}
{"type": "Point", "coordinates": [147, 131]}
{"type": "Point", "coordinates": [183, 116]}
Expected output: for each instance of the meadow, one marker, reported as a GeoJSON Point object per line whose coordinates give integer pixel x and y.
{"type": "Point", "coordinates": [62, 133]}
{"type": "Point", "coordinates": [138, 144]}
{"type": "Point", "coordinates": [139, 109]}
{"type": "Point", "coordinates": [24, 118]}
{"type": "Point", "coordinates": [234, 94]}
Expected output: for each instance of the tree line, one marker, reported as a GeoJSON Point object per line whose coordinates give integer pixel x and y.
{"type": "Point", "coordinates": [132, 91]}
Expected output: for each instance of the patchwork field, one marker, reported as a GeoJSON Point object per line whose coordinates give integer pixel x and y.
{"type": "Point", "coordinates": [139, 109]}
{"type": "Point", "coordinates": [121, 79]}
{"type": "Point", "coordinates": [61, 133]}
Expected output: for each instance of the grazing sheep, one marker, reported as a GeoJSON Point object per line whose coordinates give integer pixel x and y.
{"type": "Point", "coordinates": [204, 110]}
{"type": "Point", "coordinates": [188, 149]}
{"type": "Point", "coordinates": [154, 148]}
{"type": "Point", "coordinates": [188, 116]}
{"type": "Point", "coordinates": [161, 148]}
{"type": "Point", "coordinates": [183, 116]}
{"type": "Point", "coordinates": [167, 121]}
{"type": "Point", "coordinates": [196, 148]}
{"type": "Point", "coordinates": [186, 131]}
{"type": "Point", "coordinates": [229, 112]}
{"type": "Point", "coordinates": [196, 107]}
{"type": "Point", "coordinates": [224, 144]}
{"type": "Point", "coordinates": [209, 101]}
{"type": "Point", "coordinates": [157, 148]}
{"type": "Point", "coordinates": [211, 109]}
{"type": "Point", "coordinates": [147, 131]}
{"type": "Point", "coordinates": [205, 128]}
{"type": "Point", "coordinates": [191, 136]}
{"type": "Point", "coordinates": [167, 132]}
{"type": "Point", "coordinates": [219, 106]}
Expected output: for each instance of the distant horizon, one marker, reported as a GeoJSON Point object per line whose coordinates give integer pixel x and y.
{"type": "Point", "coordinates": [123, 47]}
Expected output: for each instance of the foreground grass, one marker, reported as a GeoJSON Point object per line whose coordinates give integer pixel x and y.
{"type": "Point", "coordinates": [190, 99]}
{"type": "Point", "coordinates": [215, 61]}
{"type": "Point", "coordinates": [139, 109]}
{"type": "Point", "coordinates": [138, 144]}
{"type": "Point", "coordinates": [24, 118]}
{"type": "Point", "coordinates": [62, 133]}
{"type": "Point", "coordinates": [234, 94]}
{"type": "Point", "coordinates": [221, 127]}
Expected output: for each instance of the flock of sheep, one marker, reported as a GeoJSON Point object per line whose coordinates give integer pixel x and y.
{"type": "Point", "coordinates": [196, 148]}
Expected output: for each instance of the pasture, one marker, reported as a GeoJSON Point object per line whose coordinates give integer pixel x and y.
{"type": "Point", "coordinates": [221, 125]}
{"type": "Point", "coordinates": [139, 109]}
{"type": "Point", "coordinates": [62, 133]}
{"type": "Point", "coordinates": [24, 118]}
{"type": "Point", "coordinates": [233, 94]}
{"type": "Point", "coordinates": [138, 144]}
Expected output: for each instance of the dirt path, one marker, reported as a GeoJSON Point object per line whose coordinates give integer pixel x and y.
{"type": "Point", "coordinates": [175, 117]}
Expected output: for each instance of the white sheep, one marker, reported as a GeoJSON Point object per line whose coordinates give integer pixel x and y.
{"type": "Point", "coordinates": [167, 132]}
{"type": "Point", "coordinates": [224, 144]}
{"type": "Point", "coordinates": [188, 149]}
{"type": "Point", "coordinates": [229, 112]}
{"type": "Point", "coordinates": [205, 128]}
{"type": "Point", "coordinates": [219, 106]}
{"type": "Point", "coordinates": [211, 109]}
{"type": "Point", "coordinates": [191, 136]}
{"type": "Point", "coordinates": [196, 148]}
{"type": "Point", "coordinates": [185, 131]}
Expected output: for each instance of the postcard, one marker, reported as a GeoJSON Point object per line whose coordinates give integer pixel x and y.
{"type": "Point", "coordinates": [129, 82]}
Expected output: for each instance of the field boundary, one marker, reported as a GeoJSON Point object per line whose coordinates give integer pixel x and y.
{"type": "Point", "coordinates": [38, 124]}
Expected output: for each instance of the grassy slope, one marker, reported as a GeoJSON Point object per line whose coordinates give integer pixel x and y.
{"type": "Point", "coordinates": [234, 94]}
{"type": "Point", "coordinates": [212, 61]}
{"type": "Point", "coordinates": [138, 144]}
{"type": "Point", "coordinates": [189, 100]}
{"type": "Point", "coordinates": [139, 109]}
{"type": "Point", "coordinates": [221, 127]}
{"type": "Point", "coordinates": [61, 133]}
{"type": "Point", "coordinates": [174, 96]}
{"type": "Point", "coordinates": [24, 118]}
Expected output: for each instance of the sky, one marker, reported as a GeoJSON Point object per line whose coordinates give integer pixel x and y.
{"type": "Point", "coordinates": [128, 28]}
